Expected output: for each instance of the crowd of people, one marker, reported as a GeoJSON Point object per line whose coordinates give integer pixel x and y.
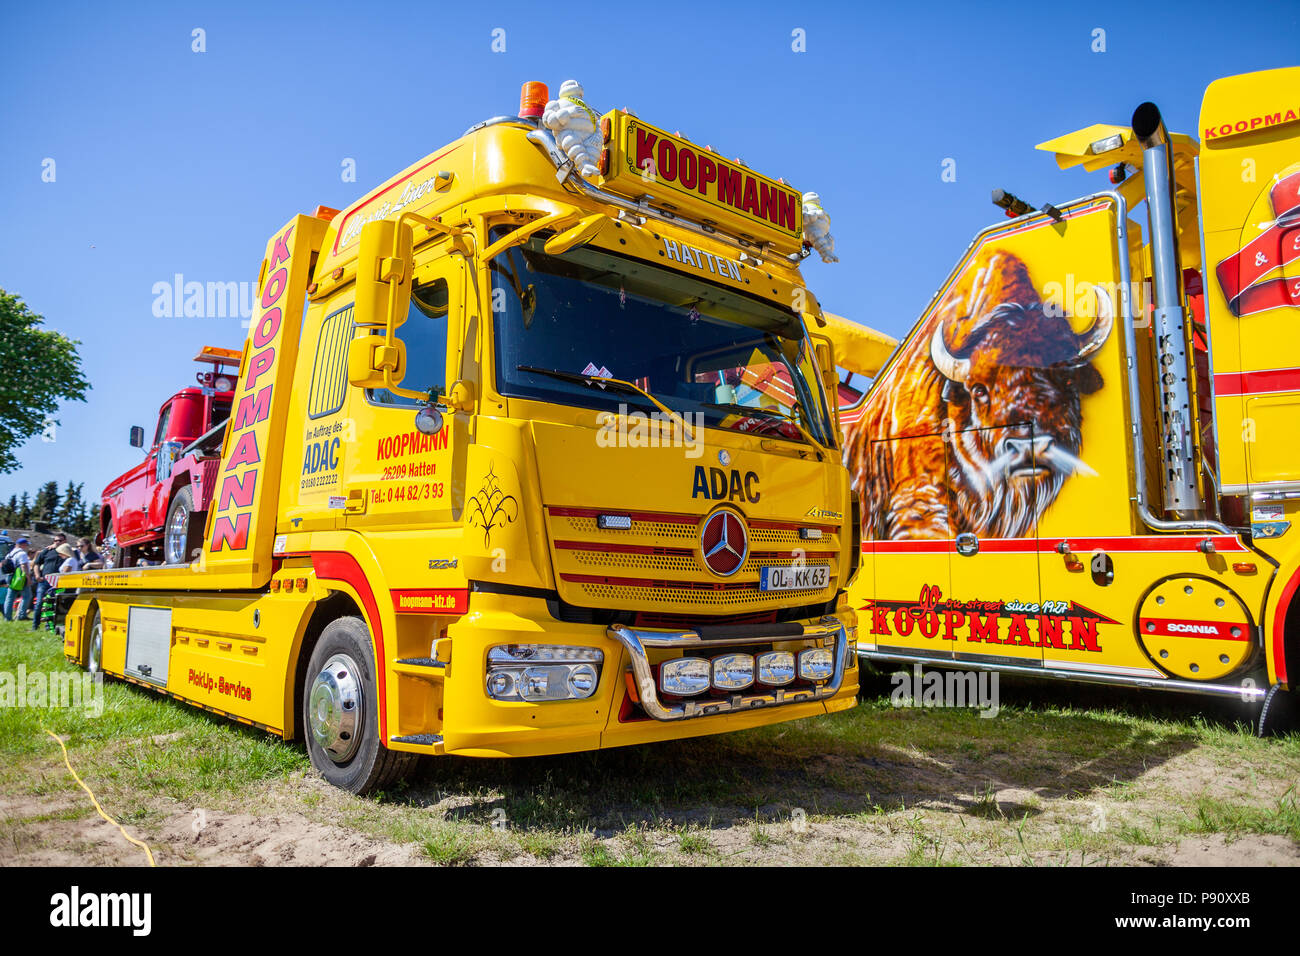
{"type": "Point", "coordinates": [29, 578]}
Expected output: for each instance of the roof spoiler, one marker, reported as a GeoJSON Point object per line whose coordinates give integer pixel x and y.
{"type": "Point", "coordinates": [858, 349]}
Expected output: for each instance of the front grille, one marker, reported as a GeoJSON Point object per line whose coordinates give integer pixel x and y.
{"type": "Point", "coordinates": [602, 555]}
{"type": "Point", "coordinates": [669, 621]}
{"type": "Point", "coordinates": [656, 565]}
{"type": "Point", "coordinates": [672, 620]}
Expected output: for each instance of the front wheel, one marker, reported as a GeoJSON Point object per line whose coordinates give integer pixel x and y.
{"type": "Point", "coordinates": [176, 529]}
{"type": "Point", "coordinates": [340, 712]}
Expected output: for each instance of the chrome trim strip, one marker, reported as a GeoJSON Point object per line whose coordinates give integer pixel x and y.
{"type": "Point", "coordinates": [1265, 489]}
{"type": "Point", "coordinates": [1087, 677]}
{"type": "Point", "coordinates": [636, 640]}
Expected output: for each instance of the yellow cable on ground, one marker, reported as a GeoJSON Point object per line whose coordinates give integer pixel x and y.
{"type": "Point", "coordinates": [141, 844]}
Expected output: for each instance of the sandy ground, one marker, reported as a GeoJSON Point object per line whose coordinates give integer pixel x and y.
{"type": "Point", "coordinates": [933, 815]}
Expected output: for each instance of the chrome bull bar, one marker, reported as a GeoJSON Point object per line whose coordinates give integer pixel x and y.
{"type": "Point", "coordinates": [636, 641]}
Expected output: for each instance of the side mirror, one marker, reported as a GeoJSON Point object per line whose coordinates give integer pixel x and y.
{"type": "Point", "coordinates": [137, 436]}
{"type": "Point", "coordinates": [385, 262]}
{"type": "Point", "coordinates": [585, 230]}
{"type": "Point", "coordinates": [369, 357]}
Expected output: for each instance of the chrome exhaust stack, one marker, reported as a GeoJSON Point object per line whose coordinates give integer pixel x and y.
{"type": "Point", "coordinates": [1173, 364]}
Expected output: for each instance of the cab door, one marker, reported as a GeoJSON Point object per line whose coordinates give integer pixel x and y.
{"type": "Point", "coordinates": [394, 474]}
{"type": "Point", "coordinates": [995, 582]}
{"type": "Point", "coordinates": [910, 560]}
{"type": "Point", "coordinates": [137, 491]}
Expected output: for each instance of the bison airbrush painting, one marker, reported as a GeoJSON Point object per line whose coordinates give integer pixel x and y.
{"type": "Point", "coordinates": [998, 374]}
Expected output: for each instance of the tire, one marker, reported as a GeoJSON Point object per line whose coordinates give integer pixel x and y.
{"type": "Point", "coordinates": [95, 650]}
{"type": "Point", "coordinates": [340, 717]}
{"type": "Point", "coordinates": [1278, 713]}
{"type": "Point", "coordinates": [176, 529]}
{"type": "Point", "coordinates": [112, 553]}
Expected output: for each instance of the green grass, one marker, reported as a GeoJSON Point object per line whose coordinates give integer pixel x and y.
{"type": "Point", "coordinates": [140, 741]}
{"type": "Point", "coordinates": [1235, 818]}
{"type": "Point", "coordinates": [876, 784]}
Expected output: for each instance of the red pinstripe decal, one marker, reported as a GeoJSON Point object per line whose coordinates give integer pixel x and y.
{"type": "Point", "coordinates": [622, 548]}
{"type": "Point", "coordinates": [1014, 231]}
{"type": "Point", "coordinates": [668, 517]}
{"type": "Point", "coordinates": [665, 517]}
{"type": "Point", "coordinates": [1125, 544]}
{"type": "Point", "coordinates": [1278, 637]}
{"type": "Point", "coordinates": [1259, 382]}
{"type": "Point", "coordinates": [341, 566]}
{"type": "Point", "coordinates": [380, 191]}
{"type": "Point", "coordinates": [653, 583]}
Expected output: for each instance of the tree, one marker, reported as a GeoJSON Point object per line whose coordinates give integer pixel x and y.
{"type": "Point", "coordinates": [23, 517]}
{"type": "Point", "coordinates": [47, 502]}
{"type": "Point", "coordinates": [80, 523]}
{"type": "Point", "coordinates": [9, 512]}
{"type": "Point", "coordinates": [42, 369]}
{"type": "Point", "coordinates": [92, 526]}
{"type": "Point", "coordinates": [73, 507]}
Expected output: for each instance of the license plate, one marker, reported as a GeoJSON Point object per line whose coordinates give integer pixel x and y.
{"type": "Point", "coordinates": [795, 579]}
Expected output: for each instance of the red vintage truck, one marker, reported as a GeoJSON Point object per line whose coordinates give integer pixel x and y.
{"type": "Point", "coordinates": [154, 513]}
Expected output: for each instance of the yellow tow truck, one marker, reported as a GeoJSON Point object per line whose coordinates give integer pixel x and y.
{"type": "Point", "coordinates": [530, 450]}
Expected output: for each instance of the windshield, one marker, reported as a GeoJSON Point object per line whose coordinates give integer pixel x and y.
{"type": "Point", "coordinates": [721, 357]}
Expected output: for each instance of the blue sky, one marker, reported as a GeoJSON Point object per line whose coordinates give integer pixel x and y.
{"type": "Point", "coordinates": [170, 161]}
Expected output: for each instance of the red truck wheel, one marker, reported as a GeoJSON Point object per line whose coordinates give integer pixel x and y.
{"type": "Point", "coordinates": [176, 529]}
{"type": "Point", "coordinates": [112, 553]}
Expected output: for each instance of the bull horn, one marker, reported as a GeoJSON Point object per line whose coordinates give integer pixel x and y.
{"type": "Point", "coordinates": [1096, 336]}
{"type": "Point", "coordinates": [950, 367]}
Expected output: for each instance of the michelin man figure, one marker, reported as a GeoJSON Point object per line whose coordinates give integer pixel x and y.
{"type": "Point", "coordinates": [817, 227]}
{"type": "Point", "coordinates": [576, 127]}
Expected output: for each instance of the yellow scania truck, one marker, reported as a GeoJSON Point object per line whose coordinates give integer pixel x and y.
{"type": "Point", "coordinates": [528, 453]}
{"type": "Point", "coordinates": [1082, 461]}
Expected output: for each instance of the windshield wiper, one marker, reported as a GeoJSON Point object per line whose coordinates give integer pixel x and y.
{"type": "Point", "coordinates": [769, 412]}
{"type": "Point", "coordinates": [581, 379]}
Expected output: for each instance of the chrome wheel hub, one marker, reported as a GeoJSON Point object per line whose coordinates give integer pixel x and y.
{"type": "Point", "coordinates": [96, 652]}
{"type": "Point", "coordinates": [177, 533]}
{"type": "Point", "coordinates": [334, 708]}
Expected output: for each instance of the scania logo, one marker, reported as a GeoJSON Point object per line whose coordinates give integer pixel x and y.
{"type": "Point", "coordinates": [724, 542]}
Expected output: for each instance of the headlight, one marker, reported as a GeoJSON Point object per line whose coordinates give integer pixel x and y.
{"type": "Point", "coordinates": [539, 672]}
{"type": "Point", "coordinates": [506, 653]}
{"type": "Point", "coordinates": [582, 680]}
{"type": "Point", "coordinates": [733, 671]}
{"type": "Point", "coordinates": [684, 676]}
{"type": "Point", "coordinates": [776, 668]}
{"type": "Point", "coordinates": [816, 664]}
{"type": "Point", "coordinates": [501, 684]}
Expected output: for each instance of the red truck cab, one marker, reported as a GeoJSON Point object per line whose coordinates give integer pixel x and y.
{"type": "Point", "coordinates": [153, 513]}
